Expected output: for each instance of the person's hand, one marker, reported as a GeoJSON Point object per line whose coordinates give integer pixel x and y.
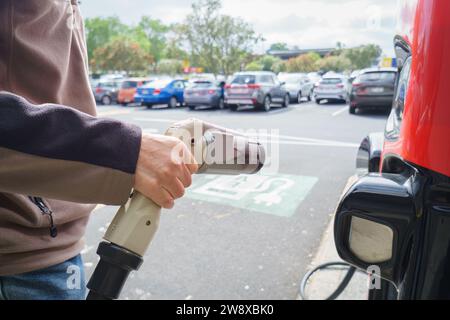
{"type": "Point", "coordinates": [164, 169]}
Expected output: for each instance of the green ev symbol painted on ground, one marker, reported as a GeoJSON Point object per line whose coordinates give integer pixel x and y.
{"type": "Point", "coordinates": [279, 194]}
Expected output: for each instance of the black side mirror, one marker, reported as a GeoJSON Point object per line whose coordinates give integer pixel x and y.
{"type": "Point", "coordinates": [375, 222]}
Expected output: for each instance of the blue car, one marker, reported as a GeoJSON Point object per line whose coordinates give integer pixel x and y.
{"type": "Point", "coordinates": [168, 92]}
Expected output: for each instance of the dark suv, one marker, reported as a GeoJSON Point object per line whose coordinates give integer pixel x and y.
{"type": "Point", "coordinates": [373, 88]}
{"type": "Point", "coordinates": [258, 89]}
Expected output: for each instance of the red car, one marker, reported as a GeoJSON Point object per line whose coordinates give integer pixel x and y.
{"type": "Point", "coordinates": [128, 90]}
{"type": "Point", "coordinates": [395, 218]}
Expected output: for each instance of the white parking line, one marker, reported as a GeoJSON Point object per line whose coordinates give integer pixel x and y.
{"type": "Point", "coordinates": [150, 130]}
{"type": "Point", "coordinates": [306, 141]}
{"type": "Point", "coordinates": [318, 143]}
{"type": "Point", "coordinates": [113, 112]}
{"type": "Point", "coordinates": [157, 120]}
{"type": "Point", "coordinates": [340, 111]}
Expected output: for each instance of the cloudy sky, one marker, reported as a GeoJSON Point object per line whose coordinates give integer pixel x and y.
{"type": "Point", "coordinates": [303, 23]}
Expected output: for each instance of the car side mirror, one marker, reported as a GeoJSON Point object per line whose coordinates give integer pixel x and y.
{"type": "Point", "coordinates": [375, 222]}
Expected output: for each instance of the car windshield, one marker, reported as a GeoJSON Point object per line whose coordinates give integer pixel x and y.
{"type": "Point", "coordinates": [129, 84]}
{"type": "Point", "coordinates": [331, 81]}
{"type": "Point", "coordinates": [378, 76]}
{"type": "Point", "coordinates": [244, 79]}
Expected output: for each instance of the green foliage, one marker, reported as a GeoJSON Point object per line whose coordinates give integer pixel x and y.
{"type": "Point", "coordinates": [363, 56]}
{"type": "Point", "coordinates": [121, 54]}
{"type": "Point", "coordinates": [265, 63]}
{"type": "Point", "coordinates": [218, 43]}
{"type": "Point", "coordinates": [156, 33]}
{"type": "Point", "coordinates": [279, 46]}
{"type": "Point", "coordinates": [254, 66]}
{"type": "Point", "coordinates": [170, 67]}
{"type": "Point", "coordinates": [303, 63]}
{"type": "Point", "coordinates": [99, 31]}
{"type": "Point", "coordinates": [333, 63]}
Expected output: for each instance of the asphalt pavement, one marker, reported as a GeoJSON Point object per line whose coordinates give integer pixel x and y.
{"type": "Point", "coordinates": [246, 237]}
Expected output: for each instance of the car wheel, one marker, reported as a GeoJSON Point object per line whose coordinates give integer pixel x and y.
{"type": "Point", "coordinates": [148, 105]}
{"type": "Point", "coordinates": [124, 104]}
{"type": "Point", "coordinates": [106, 100]}
{"type": "Point", "coordinates": [352, 109]}
{"type": "Point", "coordinates": [299, 98]}
{"type": "Point", "coordinates": [233, 107]}
{"type": "Point", "coordinates": [310, 96]}
{"type": "Point", "coordinates": [318, 101]}
{"type": "Point", "coordinates": [267, 103]}
{"type": "Point", "coordinates": [221, 104]}
{"type": "Point", "coordinates": [286, 101]}
{"type": "Point", "coordinates": [173, 102]}
{"type": "Point", "coordinates": [191, 107]}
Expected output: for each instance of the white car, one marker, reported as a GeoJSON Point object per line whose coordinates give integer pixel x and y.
{"type": "Point", "coordinates": [332, 87]}
{"type": "Point", "coordinates": [298, 85]}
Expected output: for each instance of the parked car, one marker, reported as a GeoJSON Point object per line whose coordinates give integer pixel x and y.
{"type": "Point", "coordinates": [205, 93]}
{"type": "Point", "coordinates": [373, 88]}
{"type": "Point", "coordinates": [168, 92]}
{"type": "Point", "coordinates": [298, 85]}
{"type": "Point", "coordinates": [202, 76]}
{"type": "Point", "coordinates": [259, 89]}
{"type": "Point", "coordinates": [128, 90]}
{"type": "Point", "coordinates": [332, 87]}
{"type": "Point", "coordinates": [354, 75]}
{"type": "Point", "coordinates": [315, 78]}
{"type": "Point", "coordinates": [393, 221]}
{"type": "Point", "coordinates": [106, 91]}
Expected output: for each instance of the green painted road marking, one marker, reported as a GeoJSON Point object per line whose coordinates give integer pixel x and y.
{"type": "Point", "coordinates": [279, 194]}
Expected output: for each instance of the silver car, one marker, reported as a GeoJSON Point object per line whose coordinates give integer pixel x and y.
{"type": "Point", "coordinates": [257, 88]}
{"type": "Point", "coordinates": [299, 86]}
{"type": "Point", "coordinates": [205, 93]}
{"type": "Point", "coordinates": [332, 87]}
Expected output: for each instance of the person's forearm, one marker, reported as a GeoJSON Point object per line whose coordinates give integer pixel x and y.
{"type": "Point", "coordinates": [60, 153]}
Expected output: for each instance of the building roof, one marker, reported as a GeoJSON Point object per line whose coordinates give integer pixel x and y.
{"type": "Point", "coordinates": [287, 54]}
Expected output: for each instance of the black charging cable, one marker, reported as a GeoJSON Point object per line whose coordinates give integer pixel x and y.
{"type": "Point", "coordinates": [330, 265]}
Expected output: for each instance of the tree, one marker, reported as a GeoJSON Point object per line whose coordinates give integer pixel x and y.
{"type": "Point", "coordinates": [254, 66]}
{"type": "Point", "coordinates": [219, 43]}
{"type": "Point", "coordinates": [170, 67]}
{"type": "Point", "coordinates": [264, 63]}
{"type": "Point", "coordinates": [121, 54]}
{"type": "Point", "coordinates": [156, 33]}
{"type": "Point", "coordinates": [303, 63]}
{"type": "Point", "coordinates": [333, 63]}
{"type": "Point", "coordinates": [99, 31]}
{"type": "Point", "coordinates": [363, 56]}
{"type": "Point", "coordinates": [278, 46]}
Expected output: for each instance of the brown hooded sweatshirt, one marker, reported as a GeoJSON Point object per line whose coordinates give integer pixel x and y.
{"type": "Point", "coordinates": [56, 158]}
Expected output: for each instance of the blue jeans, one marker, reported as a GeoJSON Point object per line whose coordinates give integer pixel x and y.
{"type": "Point", "coordinates": [65, 281]}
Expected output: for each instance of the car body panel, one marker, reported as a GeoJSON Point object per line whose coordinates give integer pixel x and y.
{"type": "Point", "coordinates": [128, 89]}
{"type": "Point", "coordinates": [204, 93]}
{"type": "Point", "coordinates": [297, 83]}
{"type": "Point", "coordinates": [108, 88]}
{"type": "Point", "coordinates": [373, 88]}
{"type": "Point", "coordinates": [166, 89]}
{"type": "Point", "coordinates": [425, 128]}
{"type": "Point", "coordinates": [334, 87]}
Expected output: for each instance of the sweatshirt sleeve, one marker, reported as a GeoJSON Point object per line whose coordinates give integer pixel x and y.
{"type": "Point", "coordinates": [57, 152]}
